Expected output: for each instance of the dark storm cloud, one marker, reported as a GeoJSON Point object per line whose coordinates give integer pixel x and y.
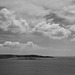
{"type": "Point", "coordinates": [57, 19]}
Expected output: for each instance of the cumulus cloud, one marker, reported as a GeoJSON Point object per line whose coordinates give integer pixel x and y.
{"type": "Point", "coordinates": [72, 27]}
{"type": "Point", "coordinates": [9, 22]}
{"type": "Point", "coordinates": [70, 9]}
{"type": "Point", "coordinates": [18, 45]}
{"type": "Point", "coordinates": [59, 33]}
{"type": "Point", "coordinates": [69, 13]}
{"type": "Point", "coordinates": [29, 44]}
{"type": "Point", "coordinates": [33, 46]}
{"type": "Point", "coordinates": [52, 30]}
{"type": "Point", "coordinates": [10, 44]}
{"type": "Point", "coordinates": [73, 38]}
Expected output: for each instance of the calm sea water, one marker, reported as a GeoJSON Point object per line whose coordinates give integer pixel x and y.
{"type": "Point", "coordinates": [52, 66]}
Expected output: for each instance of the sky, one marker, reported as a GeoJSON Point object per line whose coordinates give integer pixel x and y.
{"type": "Point", "coordinates": [45, 27]}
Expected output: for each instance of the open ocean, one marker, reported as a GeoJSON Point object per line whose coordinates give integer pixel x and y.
{"type": "Point", "coordinates": [52, 66]}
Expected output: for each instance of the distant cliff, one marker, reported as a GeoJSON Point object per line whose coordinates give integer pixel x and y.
{"type": "Point", "coordinates": [27, 57]}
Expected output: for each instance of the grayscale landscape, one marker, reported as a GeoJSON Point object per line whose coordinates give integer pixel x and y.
{"type": "Point", "coordinates": [37, 37]}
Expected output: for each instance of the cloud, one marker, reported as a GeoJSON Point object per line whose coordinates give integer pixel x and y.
{"type": "Point", "coordinates": [69, 13]}
{"type": "Point", "coordinates": [70, 9]}
{"type": "Point", "coordinates": [72, 39]}
{"type": "Point", "coordinates": [9, 22]}
{"type": "Point", "coordinates": [33, 46]}
{"type": "Point", "coordinates": [60, 33]}
{"type": "Point", "coordinates": [17, 45]}
{"type": "Point", "coordinates": [52, 30]}
{"type": "Point", "coordinates": [29, 44]}
{"type": "Point", "coordinates": [53, 17]}
{"type": "Point", "coordinates": [24, 7]}
{"type": "Point", "coordinates": [10, 44]}
{"type": "Point", "coordinates": [72, 27]}
{"type": "Point", "coordinates": [1, 45]}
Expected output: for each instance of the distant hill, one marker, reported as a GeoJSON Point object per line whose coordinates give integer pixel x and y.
{"type": "Point", "coordinates": [29, 57]}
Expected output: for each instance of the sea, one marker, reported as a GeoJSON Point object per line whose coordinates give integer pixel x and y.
{"type": "Point", "coordinates": [50, 66]}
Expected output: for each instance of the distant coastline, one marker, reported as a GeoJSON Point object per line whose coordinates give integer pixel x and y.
{"type": "Point", "coordinates": [23, 57]}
